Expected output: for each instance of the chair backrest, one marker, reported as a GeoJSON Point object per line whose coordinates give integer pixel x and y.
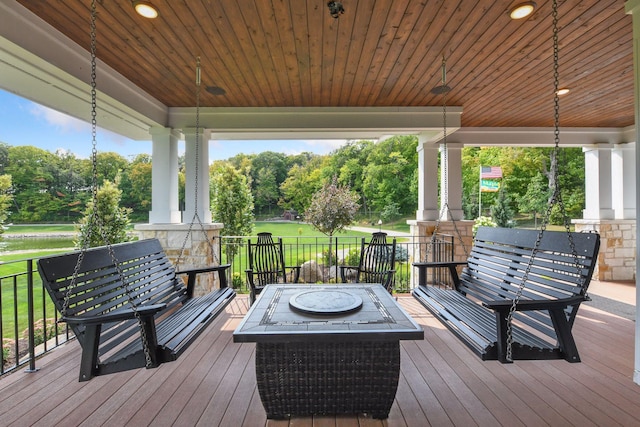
{"type": "Point", "coordinates": [266, 259]}
{"type": "Point", "coordinates": [377, 258]}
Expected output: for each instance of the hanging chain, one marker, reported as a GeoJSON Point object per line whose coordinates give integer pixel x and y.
{"type": "Point", "coordinates": [94, 217]}
{"type": "Point", "coordinates": [445, 170]}
{"type": "Point", "coordinates": [196, 216]}
{"type": "Point", "coordinates": [556, 197]}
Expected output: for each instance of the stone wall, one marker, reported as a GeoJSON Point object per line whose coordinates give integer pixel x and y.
{"type": "Point", "coordinates": [617, 257]}
{"type": "Point", "coordinates": [188, 249]}
{"type": "Point", "coordinates": [423, 230]}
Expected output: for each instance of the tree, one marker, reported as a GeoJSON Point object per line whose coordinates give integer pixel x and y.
{"type": "Point", "coordinates": [332, 209]}
{"type": "Point", "coordinates": [5, 199]}
{"type": "Point", "coordinates": [268, 171]}
{"type": "Point", "coordinates": [231, 203]}
{"type": "Point", "coordinates": [109, 165]}
{"type": "Point", "coordinates": [501, 210]}
{"type": "Point", "coordinates": [302, 181]}
{"type": "Point", "coordinates": [266, 193]}
{"type": "Point", "coordinates": [389, 174]}
{"type": "Point", "coordinates": [32, 179]}
{"type": "Point", "coordinates": [108, 222]}
{"type": "Point", "coordinates": [136, 187]}
{"type": "Point", "coordinates": [536, 198]}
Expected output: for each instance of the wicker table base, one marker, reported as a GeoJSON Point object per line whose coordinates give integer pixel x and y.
{"type": "Point", "coordinates": [306, 378]}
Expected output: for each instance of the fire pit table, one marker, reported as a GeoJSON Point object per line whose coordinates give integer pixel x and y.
{"type": "Point", "coordinates": [327, 349]}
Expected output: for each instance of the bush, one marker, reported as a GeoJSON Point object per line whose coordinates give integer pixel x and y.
{"type": "Point", "coordinates": [402, 254]}
{"type": "Point", "coordinates": [353, 257]}
{"type": "Point", "coordinates": [7, 346]}
{"type": "Point", "coordinates": [43, 330]}
{"type": "Point", "coordinates": [483, 221]}
{"type": "Point", "coordinates": [328, 257]}
{"type": "Point", "coordinates": [237, 281]}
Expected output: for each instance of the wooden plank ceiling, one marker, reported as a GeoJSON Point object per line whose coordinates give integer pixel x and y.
{"type": "Point", "coordinates": [292, 53]}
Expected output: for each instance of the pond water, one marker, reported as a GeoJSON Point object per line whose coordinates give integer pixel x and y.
{"type": "Point", "coordinates": [35, 243]}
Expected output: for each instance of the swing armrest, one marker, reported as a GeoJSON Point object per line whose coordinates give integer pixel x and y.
{"type": "Point", "coordinates": [528, 305]}
{"type": "Point", "coordinates": [451, 265]}
{"type": "Point", "coordinates": [125, 313]}
{"type": "Point", "coordinates": [193, 273]}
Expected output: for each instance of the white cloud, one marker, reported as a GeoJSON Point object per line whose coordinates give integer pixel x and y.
{"type": "Point", "coordinates": [61, 121]}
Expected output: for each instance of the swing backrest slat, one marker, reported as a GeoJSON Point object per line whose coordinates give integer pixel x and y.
{"type": "Point", "coordinates": [500, 258]}
{"type": "Point", "coordinates": [99, 288]}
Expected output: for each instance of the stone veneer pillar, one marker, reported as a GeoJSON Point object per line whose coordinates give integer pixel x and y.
{"type": "Point", "coordinates": [197, 250]}
{"type": "Point", "coordinates": [617, 256]}
{"type": "Point", "coordinates": [422, 231]}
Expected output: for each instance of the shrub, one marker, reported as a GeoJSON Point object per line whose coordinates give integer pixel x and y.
{"type": "Point", "coordinates": [353, 257]}
{"type": "Point", "coordinates": [236, 281]}
{"type": "Point", "coordinates": [7, 348]}
{"type": "Point", "coordinates": [43, 330]}
{"type": "Point", "coordinates": [402, 254]}
{"type": "Point", "coordinates": [483, 221]}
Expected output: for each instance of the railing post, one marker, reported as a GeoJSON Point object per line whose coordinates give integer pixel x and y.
{"type": "Point", "coordinates": [30, 308]}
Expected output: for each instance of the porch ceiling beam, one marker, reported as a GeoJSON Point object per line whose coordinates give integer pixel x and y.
{"type": "Point", "coordinates": [541, 137]}
{"type": "Point", "coordinates": [315, 123]}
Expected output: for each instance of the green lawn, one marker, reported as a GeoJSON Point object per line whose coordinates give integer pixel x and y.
{"type": "Point", "coordinates": [37, 228]}
{"type": "Point", "coordinates": [13, 276]}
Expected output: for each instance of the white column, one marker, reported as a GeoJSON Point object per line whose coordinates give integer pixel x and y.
{"type": "Point", "coordinates": [427, 180]}
{"type": "Point", "coordinates": [196, 200]}
{"type": "Point", "coordinates": [633, 7]}
{"type": "Point", "coordinates": [164, 177]}
{"type": "Point", "coordinates": [598, 196]}
{"type": "Point", "coordinates": [623, 181]}
{"type": "Point", "coordinates": [454, 182]}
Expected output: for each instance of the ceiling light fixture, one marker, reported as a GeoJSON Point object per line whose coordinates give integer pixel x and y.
{"type": "Point", "coordinates": [335, 9]}
{"type": "Point", "coordinates": [522, 10]}
{"type": "Point", "coordinates": [563, 91]}
{"type": "Point", "coordinates": [145, 9]}
{"type": "Point", "coordinates": [215, 90]}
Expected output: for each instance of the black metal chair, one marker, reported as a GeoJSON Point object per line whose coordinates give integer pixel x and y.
{"type": "Point", "coordinates": [376, 264]}
{"type": "Point", "coordinates": [266, 265]}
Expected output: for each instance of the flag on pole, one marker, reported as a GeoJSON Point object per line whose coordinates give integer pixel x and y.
{"type": "Point", "coordinates": [489, 186]}
{"type": "Point", "coordinates": [490, 172]}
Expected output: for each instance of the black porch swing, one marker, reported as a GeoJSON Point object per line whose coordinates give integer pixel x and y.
{"type": "Point", "coordinates": [518, 293]}
{"type": "Point", "coordinates": [126, 303]}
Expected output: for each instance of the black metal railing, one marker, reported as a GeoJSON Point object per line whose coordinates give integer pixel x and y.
{"type": "Point", "coordinates": [318, 255]}
{"type": "Point", "coordinates": [29, 322]}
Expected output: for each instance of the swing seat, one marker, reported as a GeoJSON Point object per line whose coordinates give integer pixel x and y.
{"type": "Point", "coordinates": [476, 310]}
{"type": "Point", "coordinates": [102, 318]}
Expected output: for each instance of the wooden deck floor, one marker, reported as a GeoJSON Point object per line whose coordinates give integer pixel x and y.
{"type": "Point", "coordinates": [441, 384]}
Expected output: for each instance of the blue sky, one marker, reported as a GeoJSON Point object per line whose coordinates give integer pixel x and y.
{"type": "Point", "coordinates": [23, 122]}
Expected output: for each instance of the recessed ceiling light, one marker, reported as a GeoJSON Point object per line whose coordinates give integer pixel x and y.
{"type": "Point", "coordinates": [145, 9]}
{"type": "Point", "coordinates": [563, 91]}
{"type": "Point", "coordinates": [522, 10]}
{"type": "Point", "coordinates": [215, 90]}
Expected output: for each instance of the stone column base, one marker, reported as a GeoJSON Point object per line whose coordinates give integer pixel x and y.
{"type": "Point", "coordinates": [461, 230]}
{"type": "Point", "coordinates": [201, 249]}
{"type": "Point", "coordinates": [617, 256]}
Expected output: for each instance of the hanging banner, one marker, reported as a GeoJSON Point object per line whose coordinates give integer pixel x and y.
{"type": "Point", "coordinates": [489, 185]}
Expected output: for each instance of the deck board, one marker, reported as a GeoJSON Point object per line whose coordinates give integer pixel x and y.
{"type": "Point", "coordinates": [441, 384]}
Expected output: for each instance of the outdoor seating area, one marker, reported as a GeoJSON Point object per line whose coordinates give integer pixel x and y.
{"type": "Point", "coordinates": [441, 382]}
